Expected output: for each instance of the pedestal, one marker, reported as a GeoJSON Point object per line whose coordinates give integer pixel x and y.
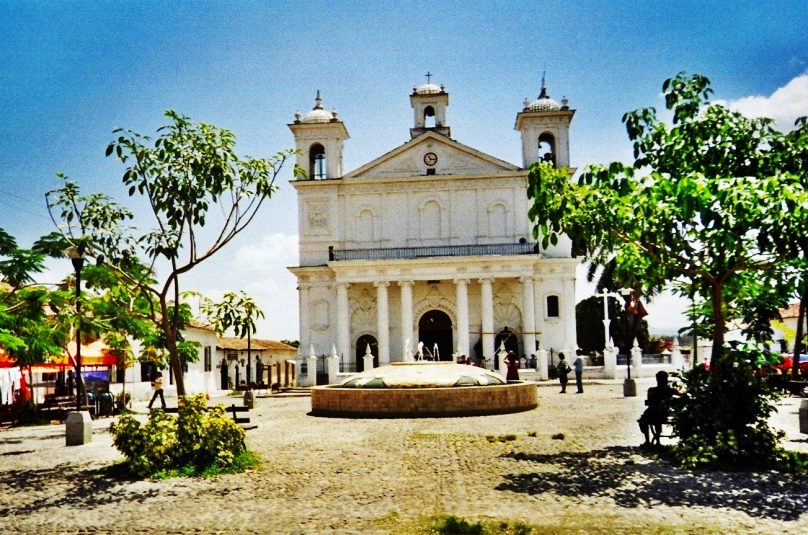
{"type": "Point", "coordinates": [249, 399]}
{"type": "Point", "coordinates": [78, 428]}
{"type": "Point", "coordinates": [629, 388]}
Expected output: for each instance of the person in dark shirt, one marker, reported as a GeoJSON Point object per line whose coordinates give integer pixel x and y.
{"type": "Point", "coordinates": [658, 402]}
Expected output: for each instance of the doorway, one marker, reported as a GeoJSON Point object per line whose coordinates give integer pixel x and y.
{"type": "Point", "coordinates": [361, 348]}
{"type": "Point", "coordinates": [435, 328]}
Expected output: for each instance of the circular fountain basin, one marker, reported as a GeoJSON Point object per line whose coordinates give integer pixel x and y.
{"type": "Point", "coordinates": [423, 389]}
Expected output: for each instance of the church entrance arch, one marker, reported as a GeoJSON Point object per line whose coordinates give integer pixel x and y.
{"type": "Point", "coordinates": [361, 348]}
{"type": "Point", "coordinates": [435, 327]}
{"type": "Point", "coordinates": [507, 337]}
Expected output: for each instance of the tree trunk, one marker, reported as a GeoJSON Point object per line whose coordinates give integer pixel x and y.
{"type": "Point", "coordinates": [171, 345]}
{"type": "Point", "coordinates": [719, 324]}
{"type": "Point", "coordinates": [795, 365]}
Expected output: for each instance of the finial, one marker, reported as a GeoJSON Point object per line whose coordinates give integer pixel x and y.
{"type": "Point", "coordinates": [543, 93]}
{"type": "Point", "coordinates": [318, 102]}
{"type": "Point", "coordinates": [565, 102]}
{"type": "Point", "coordinates": [428, 77]}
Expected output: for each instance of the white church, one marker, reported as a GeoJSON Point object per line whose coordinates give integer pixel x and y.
{"type": "Point", "coordinates": [429, 243]}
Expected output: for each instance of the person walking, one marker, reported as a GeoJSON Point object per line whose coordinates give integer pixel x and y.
{"type": "Point", "coordinates": [578, 366]}
{"type": "Point", "coordinates": [563, 369]}
{"type": "Point", "coordinates": [157, 384]}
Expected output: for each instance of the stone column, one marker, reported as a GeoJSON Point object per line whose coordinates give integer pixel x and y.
{"type": "Point", "coordinates": [303, 299]}
{"type": "Point", "coordinates": [610, 362]}
{"type": "Point", "coordinates": [487, 306]}
{"type": "Point", "coordinates": [382, 322]}
{"type": "Point", "coordinates": [568, 316]}
{"type": "Point", "coordinates": [636, 359]}
{"type": "Point", "coordinates": [528, 317]}
{"type": "Point", "coordinates": [406, 320]}
{"type": "Point", "coordinates": [343, 321]}
{"type": "Point", "coordinates": [542, 364]}
{"type": "Point", "coordinates": [463, 345]}
{"type": "Point", "coordinates": [333, 366]}
{"type": "Point", "coordinates": [311, 368]}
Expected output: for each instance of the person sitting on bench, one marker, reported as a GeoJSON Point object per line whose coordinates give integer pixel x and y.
{"type": "Point", "coordinates": [657, 412]}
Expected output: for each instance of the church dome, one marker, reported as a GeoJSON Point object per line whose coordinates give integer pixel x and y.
{"type": "Point", "coordinates": [317, 114]}
{"type": "Point", "coordinates": [542, 104]}
{"type": "Point", "coordinates": [428, 89]}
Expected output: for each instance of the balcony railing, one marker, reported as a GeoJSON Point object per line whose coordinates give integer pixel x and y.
{"type": "Point", "coordinates": [404, 253]}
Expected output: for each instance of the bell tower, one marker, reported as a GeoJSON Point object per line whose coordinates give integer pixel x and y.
{"type": "Point", "coordinates": [429, 103]}
{"type": "Point", "coordinates": [319, 136]}
{"type": "Point", "coordinates": [545, 128]}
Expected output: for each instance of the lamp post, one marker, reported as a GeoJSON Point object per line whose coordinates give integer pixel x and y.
{"type": "Point", "coordinates": [76, 255]}
{"type": "Point", "coordinates": [629, 386]}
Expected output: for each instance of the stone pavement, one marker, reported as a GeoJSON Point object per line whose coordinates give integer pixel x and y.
{"type": "Point", "coordinates": [572, 465]}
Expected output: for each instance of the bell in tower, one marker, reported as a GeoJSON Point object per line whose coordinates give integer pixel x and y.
{"type": "Point", "coordinates": [429, 103]}
{"type": "Point", "coordinates": [319, 136]}
{"type": "Point", "coordinates": [545, 125]}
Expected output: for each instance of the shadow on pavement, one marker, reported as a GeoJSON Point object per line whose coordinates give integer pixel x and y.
{"type": "Point", "coordinates": [613, 473]}
{"type": "Point", "coordinates": [68, 486]}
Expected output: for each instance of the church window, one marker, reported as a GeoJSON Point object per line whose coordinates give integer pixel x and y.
{"type": "Point", "coordinates": [430, 220]}
{"type": "Point", "coordinates": [317, 167]}
{"type": "Point", "coordinates": [429, 117]}
{"type": "Point", "coordinates": [547, 148]}
{"type": "Point", "coordinates": [497, 220]}
{"type": "Point", "coordinates": [553, 310]}
{"type": "Point", "coordinates": [365, 226]}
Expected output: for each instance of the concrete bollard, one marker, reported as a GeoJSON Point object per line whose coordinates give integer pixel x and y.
{"type": "Point", "coordinates": [804, 416]}
{"type": "Point", "coordinates": [249, 399]}
{"type": "Point", "coordinates": [78, 428]}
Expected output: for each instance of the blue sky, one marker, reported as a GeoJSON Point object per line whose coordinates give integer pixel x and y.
{"type": "Point", "coordinates": [71, 72]}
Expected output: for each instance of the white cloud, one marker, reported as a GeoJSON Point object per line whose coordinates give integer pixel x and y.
{"type": "Point", "coordinates": [785, 105]}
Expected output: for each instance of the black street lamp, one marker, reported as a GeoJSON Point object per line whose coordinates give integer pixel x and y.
{"type": "Point", "coordinates": [76, 255]}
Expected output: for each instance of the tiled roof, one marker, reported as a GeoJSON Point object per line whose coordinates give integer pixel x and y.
{"type": "Point", "coordinates": [256, 344]}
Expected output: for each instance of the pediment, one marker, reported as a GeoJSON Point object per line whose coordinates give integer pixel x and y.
{"type": "Point", "coordinates": [453, 159]}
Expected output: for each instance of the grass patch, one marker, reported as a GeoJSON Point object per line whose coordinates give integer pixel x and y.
{"type": "Point", "coordinates": [558, 436]}
{"type": "Point", "coordinates": [533, 434]}
{"type": "Point", "coordinates": [243, 462]}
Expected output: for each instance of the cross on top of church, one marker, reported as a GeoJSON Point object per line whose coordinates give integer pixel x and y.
{"type": "Point", "coordinates": [429, 76]}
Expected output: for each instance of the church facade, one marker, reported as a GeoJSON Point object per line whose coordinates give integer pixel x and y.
{"type": "Point", "coordinates": [429, 244]}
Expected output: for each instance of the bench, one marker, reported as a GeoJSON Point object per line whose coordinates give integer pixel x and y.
{"type": "Point", "coordinates": [233, 409]}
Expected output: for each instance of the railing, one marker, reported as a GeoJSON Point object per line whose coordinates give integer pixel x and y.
{"type": "Point", "coordinates": [659, 358]}
{"type": "Point", "coordinates": [403, 253]}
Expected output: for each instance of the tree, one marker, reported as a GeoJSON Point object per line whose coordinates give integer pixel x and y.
{"type": "Point", "coordinates": [690, 212]}
{"type": "Point", "coordinates": [237, 311]}
{"type": "Point", "coordinates": [185, 171]}
{"type": "Point", "coordinates": [28, 333]}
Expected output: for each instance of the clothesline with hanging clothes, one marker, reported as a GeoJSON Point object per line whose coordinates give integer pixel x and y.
{"type": "Point", "coordinates": [11, 380]}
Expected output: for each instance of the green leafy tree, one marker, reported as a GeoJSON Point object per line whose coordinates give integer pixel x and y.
{"type": "Point", "coordinates": [187, 170]}
{"type": "Point", "coordinates": [28, 333]}
{"type": "Point", "coordinates": [235, 311]}
{"type": "Point", "coordinates": [688, 213]}
{"type": "Point", "coordinates": [706, 209]}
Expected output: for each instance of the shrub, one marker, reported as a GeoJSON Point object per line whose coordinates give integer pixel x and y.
{"type": "Point", "coordinates": [194, 441]}
{"type": "Point", "coordinates": [721, 415]}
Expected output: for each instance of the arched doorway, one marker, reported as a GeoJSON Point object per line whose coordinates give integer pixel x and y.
{"type": "Point", "coordinates": [435, 327]}
{"type": "Point", "coordinates": [361, 347]}
{"type": "Point", "coordinates": [508, 337]}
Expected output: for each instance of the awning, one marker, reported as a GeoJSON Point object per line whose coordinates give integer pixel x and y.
{"type": "Point", "coordinates": [94, 354]}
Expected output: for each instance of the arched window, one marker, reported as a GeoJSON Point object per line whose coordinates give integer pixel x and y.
{"type": "Point", "coordinates": [553, 310]}
{"type": "Point", "coordinates": [317, 168]}
{"type": "Point", "coordinates": [429, 117]}
{"type": "Point", "coordinates": [430, 220]}
{"type": "Point", "coordinates": [547, 149]}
